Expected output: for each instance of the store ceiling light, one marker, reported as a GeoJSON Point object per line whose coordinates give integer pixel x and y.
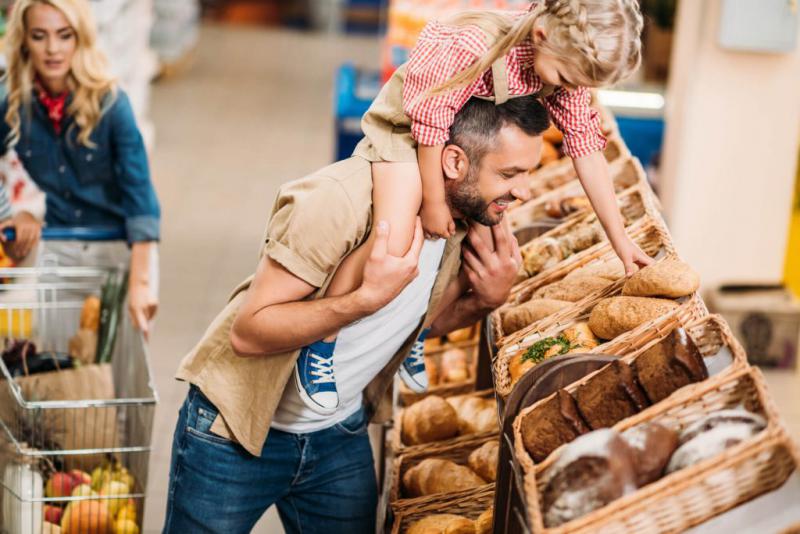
{"type": "Point", "coordinates": [631, 99]}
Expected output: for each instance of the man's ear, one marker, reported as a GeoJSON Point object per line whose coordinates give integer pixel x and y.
{"type": "Point", "coordinates": [454, 162]}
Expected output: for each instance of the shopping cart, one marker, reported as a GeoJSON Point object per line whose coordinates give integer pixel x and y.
{"type": "Point", "coordinates": [75, 441]}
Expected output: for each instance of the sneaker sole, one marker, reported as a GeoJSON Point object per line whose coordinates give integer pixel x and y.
{"type": "Point", "coordinates": [410, 383]}
{"type": "Point", "coordinates": [310, 403]}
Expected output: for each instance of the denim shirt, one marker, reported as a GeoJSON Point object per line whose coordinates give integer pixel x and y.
{"type": "Point", "coordinates": [106, 186]}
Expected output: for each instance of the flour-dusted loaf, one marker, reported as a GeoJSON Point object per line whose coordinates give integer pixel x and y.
{"type": "Point", "coordinates": [475, 415]}
{"type": "Point", "coordinates": [610, 396]}
{"type": "Point", "coordinates": [669, 278]}
{"type": "Point", "coordinates": [669, 365]}
{"type": "Point", "coordinates": [551, 424]}
{"type": "Point", "coordinates": [437, 475]}
{"type": "Point", "coordinates": [431, 419]}
{"type": "Point", "coordinates": [518, 317]}
{"type": "Point", "coordinates": [572, 289]}
{"type": "Point", "coordinates": [713, 434]}
{"type": "Point", "coordinates": [483, 460]}
{"type": "Point", "coordinates": [652, 445]}
{"type": "Point", "coordinates": [442, 524]}
{"type": "Point", "coordinates": [616, 315]}
{"type": "Point", "coordinates": [592, 471]}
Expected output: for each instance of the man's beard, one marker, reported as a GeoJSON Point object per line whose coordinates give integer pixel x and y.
{"type": "Point", "coordinates": [465, 198]}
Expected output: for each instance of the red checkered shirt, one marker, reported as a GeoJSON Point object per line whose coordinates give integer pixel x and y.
{"type": "Point", "coordinates": [442, 51]}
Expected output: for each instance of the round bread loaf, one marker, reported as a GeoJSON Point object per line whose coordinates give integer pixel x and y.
{"type": "Point", "coordinates": [614, 316]}
{"type": "Point", "coordinates": [431, 419]}
{"type": "Point", "coordinates": [442, 524]}
{"type": "Point", "coordinates": [670, 278]}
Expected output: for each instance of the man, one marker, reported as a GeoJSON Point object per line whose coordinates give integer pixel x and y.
{"type": "Point", "coordinates": [318, 469]}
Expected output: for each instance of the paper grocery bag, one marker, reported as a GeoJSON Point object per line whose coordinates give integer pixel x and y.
{"type": "Point", "coordinates": [65, 428]}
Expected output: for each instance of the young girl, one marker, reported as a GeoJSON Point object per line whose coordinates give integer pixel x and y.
{"type": "Point", "coordinates": [76, 136]}
{"type": "Point", "coordinates": [556, 49]}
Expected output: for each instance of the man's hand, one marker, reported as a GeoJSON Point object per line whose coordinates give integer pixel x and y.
{"type": "Point", "coordinates": [28, 230]}
{"type": "Point", "coordinates": [491, 273]}
{"type": "Point", "coordinates": [385, 276]}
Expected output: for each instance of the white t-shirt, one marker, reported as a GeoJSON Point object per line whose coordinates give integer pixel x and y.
{"type": "Point", "coordinates": [364, 348]}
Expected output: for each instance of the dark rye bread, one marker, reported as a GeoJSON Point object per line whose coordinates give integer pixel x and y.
{"type": "Point", "coordinates": [669, 366]}
{"type": "Point", "coordinates": [652, 445]}
{"type": "Point", "coordinates": [610, 396]}
{"type": "Point", "coordinates": [551, 424]}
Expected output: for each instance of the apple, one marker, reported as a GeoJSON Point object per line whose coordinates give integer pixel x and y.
{"type": "Point", "coordinates": [80, 477]}
{"type": "Point", "coordinates": [59, 485]}
{"type": "Point", "coordinates": [52, 514]}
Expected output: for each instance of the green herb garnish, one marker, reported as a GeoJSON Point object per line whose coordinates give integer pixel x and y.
{"type": "Point", "coordinates": [537, 351]}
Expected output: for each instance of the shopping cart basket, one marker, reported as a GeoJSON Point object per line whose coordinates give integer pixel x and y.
{"type": "Point", "coordinates": [74, 442]}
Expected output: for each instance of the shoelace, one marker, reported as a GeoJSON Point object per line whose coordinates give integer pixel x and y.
{"type": "Point", "coordinates": [417, 356]}
{"type": "Point", "coordinates": [321, 368]}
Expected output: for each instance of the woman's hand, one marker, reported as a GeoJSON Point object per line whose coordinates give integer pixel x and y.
{"type": "Point", "coordinates": [29, 231]}
{"type": "Point", "coordinates": [633, 258]}
{"type": "Point", "coordinates": [142, 299]}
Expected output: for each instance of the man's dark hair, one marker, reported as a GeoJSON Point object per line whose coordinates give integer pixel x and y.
{"type": "Point", "coordinates": [476, 125]}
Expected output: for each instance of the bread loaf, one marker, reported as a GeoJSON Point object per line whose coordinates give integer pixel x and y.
{"type": "Point", "coordinates": [432, 370]}
{"type": "Point", "coordinates": [590, 472]}
{"type": "Point", "coordinates": [551, 424]}
{"type": "Point", "coordinates": [431, 419]}
{"type": "Point", "coordinates": [483, 460]}
{"type": "Point", "coordinates": [475, 414]}
{"type": "Point", "coordinates": [485, 522]}
{"type": "Point", "coordinates": [610, 270]}
{"type": "Point", "coordinates": [436, 475]}
{"type": "Point", "coordinates": [454, 366]}
{"type": "Point", "coordinates": [652, 445]}
{"type": "Point", "coordinates": [544, 253]}
{"type": "Point", "coordinates": [610, 396]}
{"type": "Point", "coordinates": [462, 334]}
{"type": "Point", "coordinates": [670, 365]}
{"type": "Point", "coordinates": [616, 315]}
{"type": "Point", "coordinates": [669, 278]}
{"type": "Point", "coordinates": [442, 524]}
{"type": "Point", "coordinates": [527, 313]}
{"type": "Point", "coordinates": [90, 314]}
{"type": "Point", "coordinates": [572, 289]}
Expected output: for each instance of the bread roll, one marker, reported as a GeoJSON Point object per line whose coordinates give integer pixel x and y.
{"type": "Point", "coordinates": [454, 366]}
{"type": "Point", "coordinates": [527, 313]}
{"type": "Point", "coordinates": [616, 315]}
{"type": "Point", "coordinates": [591, 472]}
{"type": "Point", "coordinates": [669, 278]}
{"type": "Point", "coordinates": [431, 419]}
{"type": "Point", "coordinates": [581, 238]}
{"type": "Point", "coordinates": [90, 314]}
{"type": "Point", "coordinates": [611, 270]}
{"type": "Point", "coordinates": [544, 253]}
{"type": "Point", "coordinates": [462, 334]}
{"type": "Point", "coordinates": [551, 424]}
{"type": "Point", "coordinates": [575, 339]}
{"type": "Point", "coordinates": [442, 524]}
{"type": "Point", "coordinates": [433, 343]}
{"type": "Point", "coordinates": [652, 445]}
{"type": "Point", "coordinates": [483, 460]}
{"type": "Point", "coordinates": [485, 522]}
{"type": "Point", "coordinates": [572, 289]}
{"type": "Point", "coordinates": [432, 370]}
{"type": "Point", "coordinates": [580, 337]}
{"type": "Point", "coordinates": [610, 396]}
{"type": "Point", "coordinates": [475, 414]}
{"type": "Point", "coordinates": [436, 475]}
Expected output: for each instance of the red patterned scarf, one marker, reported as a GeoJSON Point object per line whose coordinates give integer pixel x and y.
{"type": "Point", "coordinates": [54, 105]}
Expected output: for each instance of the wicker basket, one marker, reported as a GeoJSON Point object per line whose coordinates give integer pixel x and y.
{"type": "Point", "coordinates": [625, 172]}
{"type": "Point", "coordinates": [458, 453]}
{"type": "Point", "coordinates": [408, 397]}
{"type": "Point", "coordinates": [689, 311]}
{"type": "Point", "coordinates": [692, 495]}
{"type": "Point", "coordinates": [396, 435]}
{"type": "Point", "coordinates": [470, 504]}
{"type": "Point", "coordinates": [653, 238]}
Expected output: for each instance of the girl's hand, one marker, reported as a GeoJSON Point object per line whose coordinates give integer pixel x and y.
{"type": "Point", "coordinates": [436, 220]}
{"type": "Point", "coordinates": [633, 258]}
{"type": "Point", "coordinates": [142, 305]}
{"type": "Point", "coordinates": [29, 231]}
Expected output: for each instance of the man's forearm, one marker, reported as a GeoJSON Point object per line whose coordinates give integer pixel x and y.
{"type": "Point", "coordinates": [464, 312]}
{"type": "Point", "coordinates": [285, 327]}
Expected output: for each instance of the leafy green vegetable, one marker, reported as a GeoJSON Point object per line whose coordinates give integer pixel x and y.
{"type": "Point", "coordinates": [537, 351]}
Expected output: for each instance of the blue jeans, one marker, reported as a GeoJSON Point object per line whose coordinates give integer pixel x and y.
{"type": "Point", "coordinates": [321, 482]}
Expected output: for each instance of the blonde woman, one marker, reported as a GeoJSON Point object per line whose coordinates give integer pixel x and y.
{"type": "Point", "coordinates": [76, 135]}
{"type": "Point", "coordinates": [555, 49]}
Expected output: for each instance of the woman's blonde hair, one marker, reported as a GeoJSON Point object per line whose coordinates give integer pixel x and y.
{"type": "Point", "coordinates": [600, 39]}
{"type": "Point", "coordinates": [88, 79]}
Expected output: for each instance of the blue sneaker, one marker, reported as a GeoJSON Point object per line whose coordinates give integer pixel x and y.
{"type": "Point", "coordinates": [313, 376]}
{"type": "Point", "coordinates": [413, 369]}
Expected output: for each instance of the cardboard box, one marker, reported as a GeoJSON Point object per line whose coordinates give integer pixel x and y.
{"type": "Point", "coordinates": [766, 319]}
